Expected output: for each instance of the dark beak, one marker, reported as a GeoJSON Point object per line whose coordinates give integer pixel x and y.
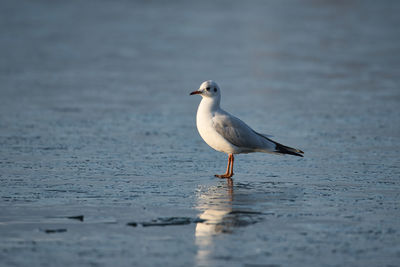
{"type": "Point", "coordinates": [195, 93]}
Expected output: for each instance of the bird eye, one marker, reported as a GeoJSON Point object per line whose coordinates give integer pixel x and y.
{"type": "Point", "coordinates": [208, 88]}
{"type": "Point", "coordinates": [215, 89]}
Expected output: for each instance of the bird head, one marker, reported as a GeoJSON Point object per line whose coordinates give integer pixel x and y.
{"type": "Point", "coordinates": [208, 89]}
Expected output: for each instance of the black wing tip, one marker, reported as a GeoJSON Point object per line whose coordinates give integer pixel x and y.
{"type": "Point", "coordinates": [290, 153]}
{"type": "Point", "coordinates": [288, 150]}
{"type": "Point", "coordinates": [283, 149]}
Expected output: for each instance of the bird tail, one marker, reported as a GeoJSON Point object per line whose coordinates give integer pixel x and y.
{"type": "Point", "coordinates": [281, 149]}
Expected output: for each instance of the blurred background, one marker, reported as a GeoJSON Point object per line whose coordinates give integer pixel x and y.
{"type": "Point", "coordinates": [96, 119]}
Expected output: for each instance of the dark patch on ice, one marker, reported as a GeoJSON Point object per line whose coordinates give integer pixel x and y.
{"type": "Point", "coordinates": [79, 218]}
{"type": "Point", "coordinates": [240, 219]}
{"type": "Point", "coordinates": [198, 220]}
{"type": "Point", "coordinates": [53, 231]}
{"type": "Point", "coordinates": [59, 147]}
{"type": "Point", "coordinates": [133, 224]}
{"type": "Point", "coordinates": [170, 221]}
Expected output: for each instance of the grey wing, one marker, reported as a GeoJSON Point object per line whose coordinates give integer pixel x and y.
{"type": "Point", "coordinates": [238, 133]}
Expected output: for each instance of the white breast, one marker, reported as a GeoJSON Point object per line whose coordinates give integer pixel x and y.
{"type": "Point", "coordinates": [206, 130]}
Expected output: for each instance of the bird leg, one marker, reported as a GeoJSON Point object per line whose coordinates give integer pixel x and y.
{"type": "Point", "coordinates": [232, 160]}
{"type": "Point", "coordinates": [229, 168]}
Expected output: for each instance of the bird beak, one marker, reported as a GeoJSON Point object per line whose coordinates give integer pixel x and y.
{"type": "Point", "coordinates": [195, 93]}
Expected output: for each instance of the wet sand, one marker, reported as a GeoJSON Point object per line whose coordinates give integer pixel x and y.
{"type": "Point", "coordinates": [101, 163]}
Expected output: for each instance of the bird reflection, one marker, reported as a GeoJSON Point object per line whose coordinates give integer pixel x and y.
{"type": "Point", "coordinates": [223, 208]}
{"type": "Point", "coordinates": [215, 204]}
{"type": "Point", "coordinates": [222, 212]}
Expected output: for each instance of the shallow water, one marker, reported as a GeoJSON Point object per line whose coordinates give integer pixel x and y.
{"type": "Point", "coordinates": [96, 121]}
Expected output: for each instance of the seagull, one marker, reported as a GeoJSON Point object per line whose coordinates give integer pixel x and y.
{"type": "Point", "coordinates": [226, 133]}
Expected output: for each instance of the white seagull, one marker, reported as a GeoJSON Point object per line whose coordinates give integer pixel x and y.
{"type": "Point", "coordinates": [226, 133]}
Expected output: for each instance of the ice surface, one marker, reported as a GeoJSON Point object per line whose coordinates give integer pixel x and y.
{"type": "Point", "coordinates": [96, 122]}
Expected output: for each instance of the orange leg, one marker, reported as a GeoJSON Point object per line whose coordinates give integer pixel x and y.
{"type": "Point", "coordinates": [232, 160]}
{"type": "Point", "coordinates": [229, 168]}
